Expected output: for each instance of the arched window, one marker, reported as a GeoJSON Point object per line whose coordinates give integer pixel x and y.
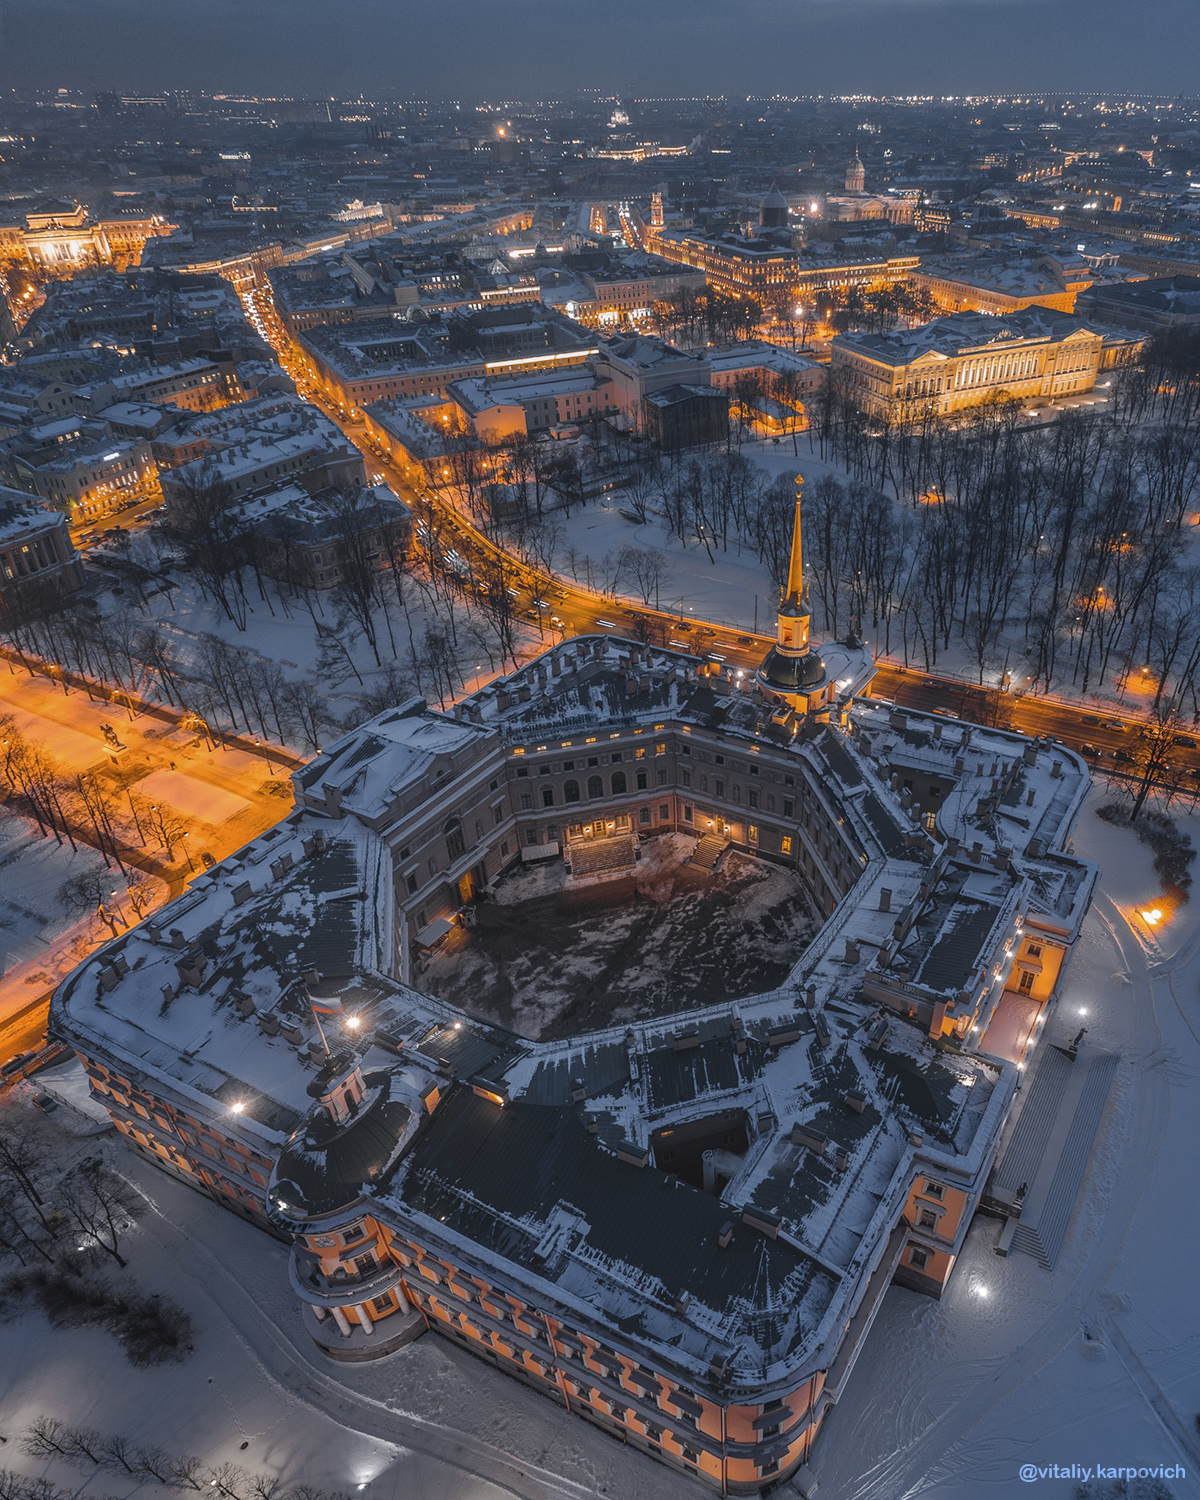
{"type": "Point", "coordinates": [571, 792]}
{"type": "Point", "coordinates": [618, 783]}
{"type": "Point", "coordinates": [595, 787]}
{"type": "Point", "coordinates": [454, 839]}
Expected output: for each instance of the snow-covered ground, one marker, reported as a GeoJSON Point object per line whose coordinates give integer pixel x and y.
{"type": "Point", "coordinates": [732, 587]}
{"type": "Point", "coordinates": [33, 917]}
{"type": "Point", "coordinates": [1093, 1363]}
{"type": "Point", "coordinates": [548, 955]}
{"type": "Point", "coordinates": [282, 630]}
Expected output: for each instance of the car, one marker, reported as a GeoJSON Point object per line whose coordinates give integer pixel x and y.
{"type": "Point", "coordinates": [930, 682]}
{"type": "Point", "coordinates": [1123, 756]}
{"type": "Point", "coordinates": [1118, 725]}
{"type": "Point", "coordinates": [1092, 751]}
{"type": "Point", "coordinates": [15, 1064]}
{"type": "Point", "coordinates": [1092, 719]}
{"type": "Point", "coordinates": [45, 1102]}
{"type": "Point", "coordinates": [1186, 741]}
{"type": "Point", "coordinates": [744, 640]}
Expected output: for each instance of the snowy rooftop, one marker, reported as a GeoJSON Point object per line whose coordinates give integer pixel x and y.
{"type": "Point", "coordinates": [542, 1154]}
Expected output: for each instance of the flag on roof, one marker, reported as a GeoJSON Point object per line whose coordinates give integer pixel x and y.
{"type": "Point", "coordinates": [325, 1005]}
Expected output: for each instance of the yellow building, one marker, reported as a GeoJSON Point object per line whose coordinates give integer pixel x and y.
{"type": "Point", "coordinates": [962, 361]}
{"type": "Point", "coordinates": [1003, 287]}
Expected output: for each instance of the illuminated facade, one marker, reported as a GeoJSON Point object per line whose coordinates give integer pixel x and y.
{"type": "Point", "coordinates": [763, 268]}
{"type": "Point", "coordinates": [61, 236]}
{"type": "Point", "coordinates": [958, 362]}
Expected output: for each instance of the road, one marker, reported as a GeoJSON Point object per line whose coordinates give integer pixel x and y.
{"type": "Point", "coordinates": [216, 800]}
{"type": "Point", "coordinates": [1105, 738]}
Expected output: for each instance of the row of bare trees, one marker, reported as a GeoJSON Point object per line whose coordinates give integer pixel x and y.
{"type": "Point", "coordinates": [86, 1449]}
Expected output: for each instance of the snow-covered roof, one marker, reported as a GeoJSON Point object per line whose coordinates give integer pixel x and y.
{"type": "Point", "coordinates": [541, 1155]}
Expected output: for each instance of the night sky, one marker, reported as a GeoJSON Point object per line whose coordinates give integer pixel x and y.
{"type": "Point", "coordinates": [513, 48]}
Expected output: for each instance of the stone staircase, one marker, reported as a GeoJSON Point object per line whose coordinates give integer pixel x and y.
{"type": "Point", "coordinates": [603, 856]}
{"type": "Point", "coordinates": [709, 850]}
{"type": "Point", "coordinates": [1050, 1149]}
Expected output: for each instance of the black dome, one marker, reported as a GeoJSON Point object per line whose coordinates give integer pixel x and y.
{"type": "Point", "coordinates": [325, 1166]}
{"type": "Point", "coordinates": [792, 673]}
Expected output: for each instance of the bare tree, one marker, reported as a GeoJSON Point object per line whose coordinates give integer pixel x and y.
{"type": "Point", "coordinates": [100, 1205]}
{"type": "Point", "coordinates": [46, 1438]}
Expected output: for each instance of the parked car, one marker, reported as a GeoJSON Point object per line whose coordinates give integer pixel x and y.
{"type": "Point", "coordinates": [47, 1103]}
{"type": "Point", "coordinates": [15, 1064]}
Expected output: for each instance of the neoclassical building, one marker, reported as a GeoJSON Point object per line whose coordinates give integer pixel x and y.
{"type": "Point", "coordinates": [61, 235]}
{"type": "Point", "coordinates": [961, 361]}
{"type": "Point", "coordinates": [680, 1228]}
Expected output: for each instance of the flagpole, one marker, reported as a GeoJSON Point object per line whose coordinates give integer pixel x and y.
{"type": "Point", "coordinates": [321, 1032]}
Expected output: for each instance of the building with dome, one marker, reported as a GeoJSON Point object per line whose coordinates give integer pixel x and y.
{"type": "Point", "coordinates": [856, 174]}
{"type": "Point", "coordinates": [773, 210]}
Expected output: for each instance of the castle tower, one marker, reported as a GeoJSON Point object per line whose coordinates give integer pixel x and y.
{"type": "Point", "coordinates": [794, 615]}
{"type": "Point", "coordinates": [792, 672]}
{"type": "Point", "coordinates": [656, 209]}
{"type": "Point", "coordinates": [856, 174]}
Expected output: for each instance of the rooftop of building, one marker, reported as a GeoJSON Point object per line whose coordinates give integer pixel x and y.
{"type": "Point", "coordinates": [540, 1154]}
{"type": "Point", "coordinates": [21, 515]}
{"type": "Point", "coordinates": [964, 332]}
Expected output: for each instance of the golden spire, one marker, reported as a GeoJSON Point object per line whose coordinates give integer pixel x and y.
{"type": "Point", "coordinates": [795, 580]}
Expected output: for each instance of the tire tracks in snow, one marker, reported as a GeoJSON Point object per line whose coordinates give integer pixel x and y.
{"type": "Point", "coordinates": [909, 1471]}
{"type": "Point", "coordinates": [285, 1367]}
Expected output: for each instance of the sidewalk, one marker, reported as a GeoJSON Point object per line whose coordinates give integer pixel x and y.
{"type": "Point", "coordinates": [102, 692]}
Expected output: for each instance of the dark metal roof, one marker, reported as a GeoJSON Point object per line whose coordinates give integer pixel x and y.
{"type": "Point", "coordinates": [494, 1174]}
{"type": "Point", "coordinates": [325, 1166]}
{"type": "Point", "coordinates": [792, 673]}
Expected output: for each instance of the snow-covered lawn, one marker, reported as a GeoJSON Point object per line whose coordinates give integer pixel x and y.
{"type": "Point", "coordinates": [191, 796]}
{"type": "Point", "coordinates": [33, 917]}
